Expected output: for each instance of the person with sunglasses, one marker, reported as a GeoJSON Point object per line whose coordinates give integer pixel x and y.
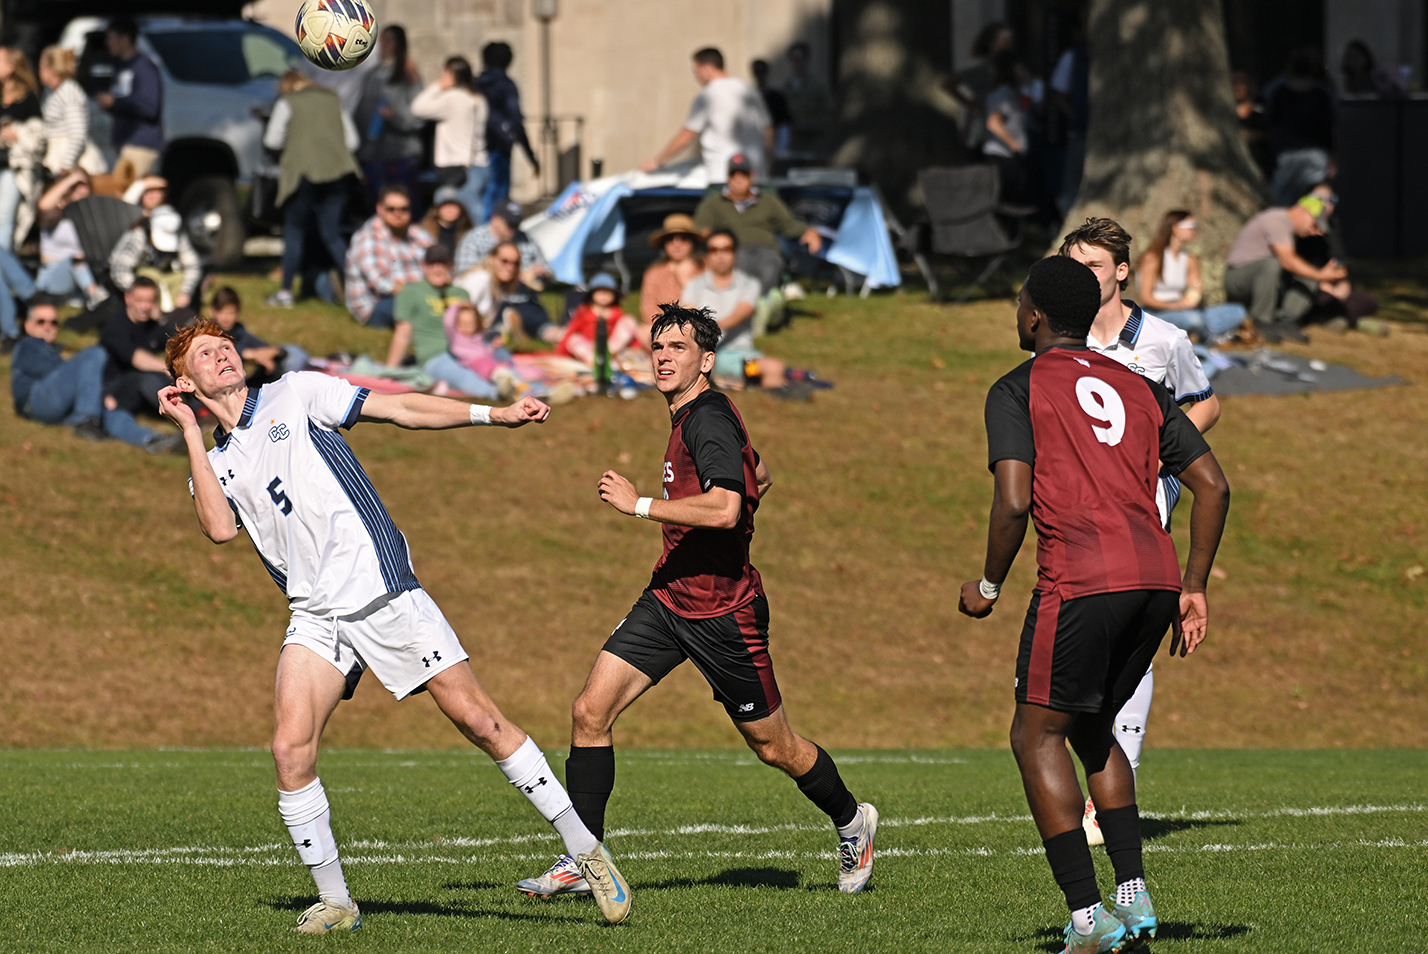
{"type": "Point", "coordinates": [385, 256]}
{"type": "Point", "coordinates": [732, 295]}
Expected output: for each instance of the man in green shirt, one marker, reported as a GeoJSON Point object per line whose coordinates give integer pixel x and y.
{"type": "Point", "coordinates": [758, 219]}
{"type": "Point", "coordinates": [420, 310]}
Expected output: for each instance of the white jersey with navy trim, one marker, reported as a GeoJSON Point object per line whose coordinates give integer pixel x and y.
{"type": "Point", "coordinates": [1158, 350]}
{"type": "Point", "coordinates": [298, 490]}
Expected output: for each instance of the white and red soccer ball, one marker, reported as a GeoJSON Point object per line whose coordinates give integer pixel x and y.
{"type": "Point", "coordinates": [336, 34]}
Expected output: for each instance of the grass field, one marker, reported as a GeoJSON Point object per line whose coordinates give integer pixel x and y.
{"type": "Point", "coordinates": [1247, 851]}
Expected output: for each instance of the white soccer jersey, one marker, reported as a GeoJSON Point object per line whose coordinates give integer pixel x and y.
{"type": "Point", "coordinates": [1158, 350]}
{"type": "Point", "coordinates": [305, 501]}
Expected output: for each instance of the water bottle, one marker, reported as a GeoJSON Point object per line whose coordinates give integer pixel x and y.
{"type": "Point", "coordinates": [602, 355]}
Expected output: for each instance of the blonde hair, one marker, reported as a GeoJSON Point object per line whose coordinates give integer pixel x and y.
{"type": "Point", "coordinates": [23, 76]}
{"type": "Point", "coordinates": [59, 61]}
{"type": "Point", "coordinates": [292, 81]}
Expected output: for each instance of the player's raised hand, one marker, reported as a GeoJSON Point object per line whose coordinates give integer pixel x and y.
{"type": "Point", "coordinates": [618, 492]}
{"type": "Point", "coordinates": [972, 603]}
{"type": "Point", "coordinates": [523, 412]}
{"type": "Point", "coordinates": [171, 406]}
{"type": "Point", "coordinates": [1194, 622]}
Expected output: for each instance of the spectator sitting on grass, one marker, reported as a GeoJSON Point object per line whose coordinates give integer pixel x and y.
{"type": "Point", "coordinates": [420, 313]}
{"type": "Point", "coordinates": [758, 219]}
{"type": "Point", "coordinates": [134, 340]}
{"type": "Point", "coordinates": [504, 226]}
{"type": "Point", "coordinates": [504, 301]}
{"type": "Point", "coordinates": [731, 295]}
{"type": "Point", "coordinates": [48, 389]}
{"type": "Point", "coordinates": [447, 221]}
{"type": "Point", "coordinates": [678, 241]}
{"type": "Point", "coordinates": [273, 362]}
{"type": "Point", "coordinates": [15, 282]}
{"type": "Point", "coordinates": [384, 257]}
{"type": "Point", "coordinates": [1168, 278]}
{"type": "Point", "coordinates": [478, 349]}
{"type": "Point", "coordinates": [602, 300]}
{"type": "Point", "coordinates": [1337, 304]}
{"type": "Point", "coordinates": [63, 269]}
{"type": "Point", "coordinates": [157, 247]}
{"type": "Point", "coordinates": [1262, 260]}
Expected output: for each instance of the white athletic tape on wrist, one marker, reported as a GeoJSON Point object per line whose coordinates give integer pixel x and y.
{"type": "Point", "coordinates": [988, 589]}
{"type": "Point", "coordinates": [642, 507]}
{"type": "Point", "coordinates": [480, 415]}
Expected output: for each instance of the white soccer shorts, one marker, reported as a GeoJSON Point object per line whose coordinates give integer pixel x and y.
{"type": "Point", "coordinates": [403, 638]}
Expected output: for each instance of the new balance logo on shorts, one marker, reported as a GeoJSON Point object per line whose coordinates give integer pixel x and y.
{"type": "Point", "coordinates": [747, 707]}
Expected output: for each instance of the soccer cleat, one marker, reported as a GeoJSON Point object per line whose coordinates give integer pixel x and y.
{"type": "Point", "coordinates": [1090, 826]}
{"type": "Point", "coordinates": [612, 893]}
{"type": "Point", "coordinates": [563, 877]}
{"type": "Point", "coordinates": [1139, 918]}
{"type": "Point", "coordinates": [855, 855]}
{"type": "Point", "coordinates": [324, 916]}
{"type": "Point", "coordinates": [1108, 935]}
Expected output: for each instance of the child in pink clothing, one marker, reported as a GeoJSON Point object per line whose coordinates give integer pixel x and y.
{"type": "Point", "coordinates": [470, 347]}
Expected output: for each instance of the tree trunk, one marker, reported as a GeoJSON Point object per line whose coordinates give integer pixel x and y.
{"type": "Point", "coordinates": [1162, 131]}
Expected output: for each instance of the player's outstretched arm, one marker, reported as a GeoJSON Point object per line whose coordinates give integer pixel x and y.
{"type": "Point", "coordinates": [1011, 505]}
{"type": "Point", "coordinates": [1207, 523]}
{"type": "Point", "coordinates": [215, 516]}
{"type": "Point", "coordinates": [717, 508]}
{"type": "Point", "coordinates": [423, 412]}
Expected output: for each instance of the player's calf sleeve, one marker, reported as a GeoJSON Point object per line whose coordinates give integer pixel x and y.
{"type": "Point", "coordinates": [590, 776]}
{"type": "Point", "coordinates": [1072, 867]}
{"type": "Point", "coordinates": [309, 821]}
{"type": "Point", "coordinates": [1121, 827]}
{"type": "Point", "coordinates": [1132, 719]}
{"type": "Point", "coordinates": [530, 773]}
{"type": "Point", "coordinates": [823, 786]}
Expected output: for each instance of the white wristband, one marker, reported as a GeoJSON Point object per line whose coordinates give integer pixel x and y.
{"type": "Point", "coordinates": [642, 507]}
{"type": "Point", "coordinates": [480, 415]}
{"type": "Point", "coordinates": [988, 589]}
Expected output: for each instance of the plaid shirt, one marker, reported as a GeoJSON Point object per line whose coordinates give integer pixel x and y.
{"type": "Point", "coordinates": [377, 260]}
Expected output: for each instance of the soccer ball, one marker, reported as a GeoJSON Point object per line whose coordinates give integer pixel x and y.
{"type": "Point", "coordinates": [336, 34]}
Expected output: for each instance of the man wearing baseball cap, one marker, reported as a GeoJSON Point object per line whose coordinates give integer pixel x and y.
{"type": "Point", "coordinates": [1263, 257]}
{"type": "Point", "coordinates": [504, 226]}
{"type": "Point", "coordinates": [759, 219]}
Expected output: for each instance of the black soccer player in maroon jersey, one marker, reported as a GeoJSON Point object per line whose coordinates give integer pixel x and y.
{"type": "Point", "coordinates": [705, 603]}
{"type": "Point", "coordinates": [1076, 440]}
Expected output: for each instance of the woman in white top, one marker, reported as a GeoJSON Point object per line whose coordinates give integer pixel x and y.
{"type": "Point", "coordinates": [1170, 286]}
{"type": "Point", "coordinates": [460, 114]}
{"type": "Point", "coordinates": [66, 117]}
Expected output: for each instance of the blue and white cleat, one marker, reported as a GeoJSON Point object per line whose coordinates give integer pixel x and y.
{"type": "Point", "coordinates": [1108, 935]}
{"type": "Point", "coordinates": [855, 855]}
{"type": "Point", "coordinates": [1139, 919]}
{"type": "Point", "coordinates": [563, 877]}
{"type": "Point", "coordinates": [611, 891]}
{"type": "Point", "coordinates": [325, 917]}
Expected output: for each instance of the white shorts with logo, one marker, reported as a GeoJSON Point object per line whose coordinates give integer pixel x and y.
{"type": "Point", "coordinates": [402, 637]}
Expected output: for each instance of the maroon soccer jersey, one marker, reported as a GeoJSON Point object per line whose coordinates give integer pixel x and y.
{"type": "Point", "coordinates": [704, 571]}
{"type": "Point", "coordinates": [1094, 433]}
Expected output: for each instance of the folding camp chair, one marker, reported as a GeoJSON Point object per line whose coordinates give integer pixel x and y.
{"type": "Point", "coordinates": [968, 219]}
{"type": "Point", "coordinates": [100, 221]}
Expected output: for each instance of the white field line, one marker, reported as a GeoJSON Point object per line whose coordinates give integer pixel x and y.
{"type": "Point", "coordinates": [412, 852]}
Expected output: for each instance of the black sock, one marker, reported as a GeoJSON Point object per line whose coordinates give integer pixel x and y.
{"type": "Point", "coordinates": [823, 786]}
{"type": "Point", "coordinates": [1071, 865]}
{"type": "Point", "coordinates": [1121, 828]}
{"type": "Point", "coordinates": [590, 778]}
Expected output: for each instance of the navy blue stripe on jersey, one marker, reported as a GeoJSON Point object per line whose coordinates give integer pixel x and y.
{"type": "Point", "coordinates": [354, 410]}
{"type": "Point", "coordinates": [1197, 396]}
{"type": "Point", "coordinates": [1131, 332]}
{"type": "Point", "coordinates": [1172, 491]}
{"type": "Point", "coordinates": [391, 548]}
{"type": "Point", "coordinates": [220, 436]}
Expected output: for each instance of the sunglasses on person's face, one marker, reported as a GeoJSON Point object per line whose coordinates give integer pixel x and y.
{"type": "Point", "coordinates": [508, 261]}
{"type": "Point", "coordinates": [719, 248]}
{"type": "Point", "coordinates": [45, 321]}
{"type": "Point", "coordinates": [398, 209]}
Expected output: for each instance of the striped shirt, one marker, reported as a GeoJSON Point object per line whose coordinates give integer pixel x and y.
{"type": "Point", "coordinates": [377, 260]}
{"type": "Point", "coordinates": [66, 118]}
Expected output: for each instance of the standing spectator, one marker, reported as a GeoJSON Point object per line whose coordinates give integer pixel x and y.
{"type": "Point", "coordinates": [1252, 122]}
{"type": "Point", "coordinates": [156, 246]}
{"type": "Point", "coordinates": [1170, 285]}
{"type": "Point", "coordinates": [678, 263]}
{"type": "Point", "coordinates": [1071, 89]}
{"type": "Point", "coordinates": [461, 115]}
{"type": "Point", "coordinates": [1007, 135]}
{"type": "Point", "coordinates": [776, 105]}
{"type": "Point", "coordinates": [602, 300]}
{"type": "Point", "coordinates": [1300, 114]}
{"type": "Point", "coordinates": [758, 219]}
{"type": "Point", "coordinates": [973, 84]}
{"type": "Point", "coordinates": [1263, 258]}
{"type": "Point", "coordinates": [63, 269]}
{"type": "Point", "coordinates": [1362, 80]}
{"type": "Point", "coordinates": [810, 106]}
{"type": "Point", "coordinates": [385, 256]}
{"type": "Point", "coordinates": [391, 135]}
{"type": "Point", "coordinates": [15, 282]}
{"type": "Point", "coordinates": [447, 221]}
{"type": "Point", "coordinates": [420, 313]}
{"type": "Point", "coordinates": [732, 296]}
{"type": "Point", "coordinates": [19, 105]}
{"type": "Point", "coordinates": [317, 141]}
{"type": "Point", "coordinates": [505, 126]}
{"type": "Point", "coordinates": [727, 117]}
{"type": "Point", "coordinates": [504, 226]}
{"type": "Point", "coordinates": [66, 116]}
{"type": "Point", "coordinates": [135, 99]}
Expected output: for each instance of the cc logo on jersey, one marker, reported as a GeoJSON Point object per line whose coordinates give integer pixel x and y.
{"type": "Point", "coordinates": [278, 433]}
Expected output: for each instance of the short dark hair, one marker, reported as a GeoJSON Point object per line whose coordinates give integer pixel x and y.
{"type": "Point", "coordinates": [709, 56]}
{"type": "Point", "coordinates": [393, 188]}
{"type": "Point", "coordinates": [43, 298]}
{"type": "Point", "coordinates": [497, 55]}
{"type": "Point", "coordinates": [1066, 292]}
{"type": "Point", "coordinates": [124, 26]}
{"type": "Point", "coordinates": [700, 321]}
{"type": "Point", "coordinates": [1101, 233]}
{"type": "Point", "coordinates": [225, 297]}
{"type": "Point", "coordinates": [726, 232]}
{"type": "Point", "coordinates": [437, 254]}
{"type": "Point", "coordinates": [144, 281]}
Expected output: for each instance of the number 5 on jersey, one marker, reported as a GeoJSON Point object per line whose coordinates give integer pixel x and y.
{"type": "Point", "coordinates": [1101, 402]}
{"type": "Point", "coordinates": [280, 497]}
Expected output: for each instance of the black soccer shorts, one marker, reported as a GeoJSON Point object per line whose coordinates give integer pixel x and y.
{"type": "Point", "coordinates": [1089, 654]}
{"type": "Point", "coordinates": [732, 651]}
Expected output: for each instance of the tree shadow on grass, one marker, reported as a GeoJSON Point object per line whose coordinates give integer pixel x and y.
{"type": "Point", "coordinates": [1052, 941]}
{"type": "Point", "coordinates": [1152, 829]}
{"type": "Point", "coordinates": [780, 878]}
{"type": "Point", "coordinates": [441, 909]}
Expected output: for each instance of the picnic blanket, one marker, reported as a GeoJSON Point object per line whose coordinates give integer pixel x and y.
{"type": "Point", "coordinates": [1267, 371]}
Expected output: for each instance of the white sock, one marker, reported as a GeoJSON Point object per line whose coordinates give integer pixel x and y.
{"type": "Point", "coordinates": [853, 829]}
{"type": "Point", "coordinates": [530, 773]}
{"type": "Point", "coordinates": [309, 822]}
{"type": "Point", "coordinates": [1132, 719]}
{"type": "Point", "coordinates": [1084, 919]}
{"type": "Point", "coordinates": [1126, 891]}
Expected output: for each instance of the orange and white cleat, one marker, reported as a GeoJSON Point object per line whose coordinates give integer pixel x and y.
{"type": "Point", "coordinates": [563, 877]}
{"type": "Point", "coordinates": [855, 855]}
